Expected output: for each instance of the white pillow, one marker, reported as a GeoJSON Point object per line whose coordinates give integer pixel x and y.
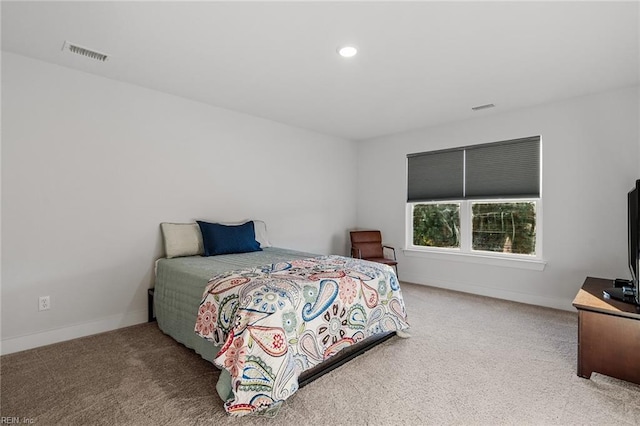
{"type": "Point", "coordinates": [182, 239]}
{"type": "Point", "coordinates": [261, 233]}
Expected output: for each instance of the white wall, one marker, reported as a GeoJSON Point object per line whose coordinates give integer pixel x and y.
{"type": "Point", "coordinates": [91, 166]}
{"type": "Point", "coordinates": [590, 162]}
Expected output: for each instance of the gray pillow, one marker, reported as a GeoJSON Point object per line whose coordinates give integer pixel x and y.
{"type": "Point", "coordinates": [182, 239]}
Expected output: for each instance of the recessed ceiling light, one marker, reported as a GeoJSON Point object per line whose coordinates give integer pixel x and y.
{"type": "Point", "coordinates": [347, 51]}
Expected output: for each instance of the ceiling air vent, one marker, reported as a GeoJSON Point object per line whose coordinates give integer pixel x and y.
{"type": "Point", "coordinates": [79, 50]}
{"type": "Point", "coordinates": [478, 108]}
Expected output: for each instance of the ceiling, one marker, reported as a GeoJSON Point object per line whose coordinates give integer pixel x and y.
{"type": "Point", "coordinates": [419, 63]}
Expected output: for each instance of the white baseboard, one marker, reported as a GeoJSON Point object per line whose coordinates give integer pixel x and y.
{"type": "Point", "coordinates": [56, 335]}
{"type": "Point", "coordinates": [562, 304]}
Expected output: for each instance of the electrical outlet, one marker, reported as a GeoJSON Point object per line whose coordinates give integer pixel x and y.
{"type": "Point", "coordinates": [44, 303]}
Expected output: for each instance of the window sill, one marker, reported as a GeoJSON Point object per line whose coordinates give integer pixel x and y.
{"type": "Point", "coordinates": [520, 263]}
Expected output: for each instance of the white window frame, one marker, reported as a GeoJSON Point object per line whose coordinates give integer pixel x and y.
{"type": "Point", "coordinates": [465, 252]}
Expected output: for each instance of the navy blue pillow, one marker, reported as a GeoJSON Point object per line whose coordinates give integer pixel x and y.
{"type": "Point", "coordinates": [226, 239]}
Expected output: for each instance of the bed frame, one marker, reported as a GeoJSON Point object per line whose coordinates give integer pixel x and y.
{"type": "Point", "coordinates": [342, 357]}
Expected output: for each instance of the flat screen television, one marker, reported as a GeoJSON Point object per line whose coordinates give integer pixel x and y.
{"type": "Point", "coordinates": [629, 290]}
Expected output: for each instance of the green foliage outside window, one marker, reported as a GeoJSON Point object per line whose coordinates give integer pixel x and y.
{"type": "Point", "coordinates": [436, 225]}
{"type": "Point", "coordinates": [496, 227]}
{"type": "Point", "coordinates": [504, 227]}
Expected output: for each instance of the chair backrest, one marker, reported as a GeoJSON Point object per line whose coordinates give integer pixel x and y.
{"type": "Point", "coordinates": [368, 242]}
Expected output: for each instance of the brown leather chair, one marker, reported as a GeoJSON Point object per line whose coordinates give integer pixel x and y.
{"type": "Point", "coordinates": [368, 245]}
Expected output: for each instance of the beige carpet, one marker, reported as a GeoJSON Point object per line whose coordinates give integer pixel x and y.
{"type": "Point", "coordinates": [471, 360]}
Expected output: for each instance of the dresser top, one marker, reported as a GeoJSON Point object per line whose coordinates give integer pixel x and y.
{"type": "Point", "coordinates": [591, 298]}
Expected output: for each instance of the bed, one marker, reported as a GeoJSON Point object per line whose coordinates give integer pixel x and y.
{"type": "Point", "coordinates": [275, 319]}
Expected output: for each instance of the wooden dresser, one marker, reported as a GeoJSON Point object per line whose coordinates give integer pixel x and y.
{"type": "Point", "coordinates": [608, 333]}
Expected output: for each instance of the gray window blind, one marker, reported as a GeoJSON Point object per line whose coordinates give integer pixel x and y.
{"type": "Point", "coordinates": [436, 176]}
{"type": "Point", "coordinates": [509, 169]}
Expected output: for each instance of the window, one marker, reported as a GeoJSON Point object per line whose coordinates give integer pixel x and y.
{"type": "Point", "coordinates": [504, 227]}
{"type": "Point", "coordinates": [482, 199]}
{"type": "Point", "coordinates": [436, 225]}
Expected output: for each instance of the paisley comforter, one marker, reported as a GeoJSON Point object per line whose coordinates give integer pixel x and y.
{"type": "Point", "coordinates": [278, 320]}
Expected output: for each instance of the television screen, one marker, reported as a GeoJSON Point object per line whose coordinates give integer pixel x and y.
{"type": "Point", "coordinates": [634, 238]}
{"type": "Point", "coordinates": [629, 290]}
